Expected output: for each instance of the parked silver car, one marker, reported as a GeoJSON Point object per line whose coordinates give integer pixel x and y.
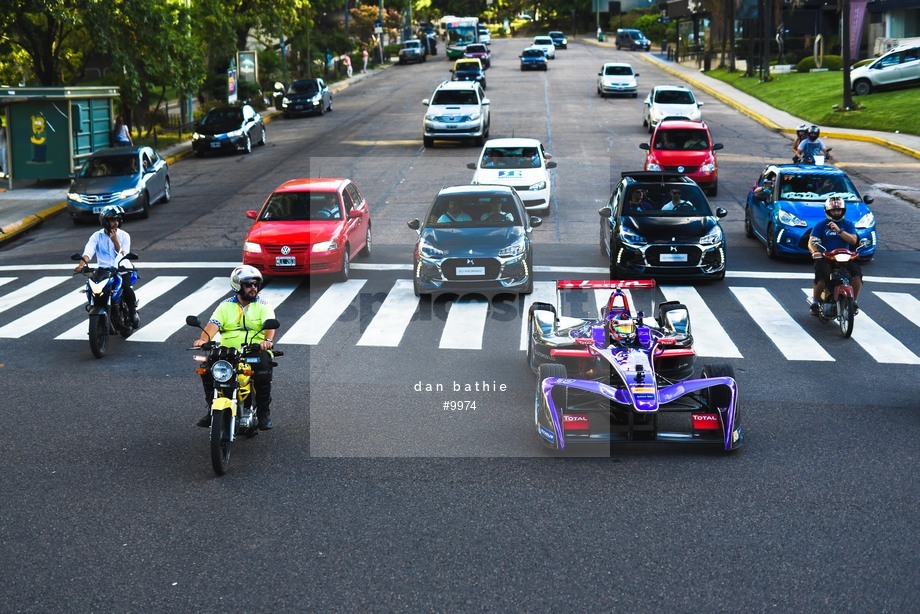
{"type": "Point", "coordinates": [900, 66]}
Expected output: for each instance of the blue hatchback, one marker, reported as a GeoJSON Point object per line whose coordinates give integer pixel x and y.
{"type": "Point", "coordinates": [783, 216]}
{"type": "Point", "coordinates": [533, 58]}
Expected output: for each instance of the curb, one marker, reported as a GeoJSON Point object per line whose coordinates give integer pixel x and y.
{"type": "Point", "coordinates": [11, 231]}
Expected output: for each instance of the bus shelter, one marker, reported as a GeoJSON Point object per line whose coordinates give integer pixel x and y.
{"type": "Point", "coordinates": [47, 132]}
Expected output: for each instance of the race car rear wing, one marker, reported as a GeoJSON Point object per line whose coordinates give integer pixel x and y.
{"type": "Point", "coordinates": [603, 284]}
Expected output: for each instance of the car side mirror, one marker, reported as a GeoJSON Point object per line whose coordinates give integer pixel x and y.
{"type": "Point", "coordinates": [868, 200]}
{"type": "Point", "coordinates": [451, 70]}
{"type": "Point", "coordinates": [718, 146]}
{"type": "Point", "coordinates": [414, 224]}
{"type": "Point", "coordinates": [635, 74]}
{"type": "Point", "coordinates": [699, 103]}
{"type": "Point", "coordinates": [535, 221]}
{"type": "Point", "coordinates": [252, 214]}
{"type": "Point", "coordinates": [471, 165]}
{"type": "Point", "coordinates": [600, 74]}
{"type": "Point", "coordinates": [644, 146]}
{"type": "Point", "coordinates": [551, 165]}
{"type": "Point", "coordinates": [486, 101]}
{"type": "Point", "coordinates": [426, 102]}
{"type": "Point", "coordinates": [721, 212]}
{"type": "Point", "coordinates": [604, 212]}
{"type": "Point", "coordinates": [354, 213]}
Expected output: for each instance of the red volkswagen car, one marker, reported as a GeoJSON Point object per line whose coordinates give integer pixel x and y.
{"type": "Point", "coordinates": [309, 226]}
{"type": "Point", "coordinates": [686, 147]}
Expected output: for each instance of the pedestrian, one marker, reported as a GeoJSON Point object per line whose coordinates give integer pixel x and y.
{"type": "Point", "coordinates": [346, 59]}
{"type": "Point", "coordinates": [2, 146]}
{"type": "Point", "coordinates": [364, 55]}
{"type": "Point", "coordinates": [122, 134]}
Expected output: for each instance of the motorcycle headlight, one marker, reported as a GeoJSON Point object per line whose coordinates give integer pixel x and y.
{"type": "Point", "coordinates": [252, 248]}
{"type": "Point", "coordinates": [326, 246]}
{"type": "Point", "coordinates": [866, 221]}
{"type": "Point", "coordinates": [540, 185]}
{"type": "Point", "coordinates": [515, 249]}
{"type": "Point", "coordinates": [713, 237]}
{"type": "Point", "coordinates": [629, 237]}
{"type": "Point", "coordinates": [428, 250]}
{"type": "Point", "coordinates": [789, 220]}
{"type": "Point", "coordinates": [126, 193]}
{"type": "Point", "coordinates": [222, 371]}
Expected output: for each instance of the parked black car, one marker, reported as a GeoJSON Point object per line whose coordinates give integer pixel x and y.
{"type": "Point", "coordinates": [228, 128]}
{"type": "Point", "coordinates": [307, 97]}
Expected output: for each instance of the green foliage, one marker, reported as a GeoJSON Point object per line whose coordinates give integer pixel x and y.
{"type": "Point", "coordinates": [831, 62]}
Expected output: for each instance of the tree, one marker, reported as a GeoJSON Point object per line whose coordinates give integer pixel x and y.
{"type": "Point", "coordinates": [51, 35]}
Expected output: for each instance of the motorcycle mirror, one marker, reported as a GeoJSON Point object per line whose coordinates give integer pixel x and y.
{"type": "Point", "coordinates": [76, 256]}
{"type": "Point", "coordinates": [131, 256]}
{"type": "Point", "coordinates": [193, 321]}
{"type": "Point", "coordinates": [271, 324]}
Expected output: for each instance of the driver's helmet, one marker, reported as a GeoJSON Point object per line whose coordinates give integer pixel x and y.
{"type": "Point", "coordinates": [835, 208]}
{"type": "Point", "coordinates": [813, 133]}
{"type": "Point", "coordinates": [801, 131]}
{"type": "Point", "coordinates": [244, 273]}
{"type": "Point", "coordinates": [622, 330]}
{"type": "Point", "coordinates": [109, 213]}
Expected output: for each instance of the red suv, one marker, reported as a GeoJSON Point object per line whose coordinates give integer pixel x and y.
{"type": "Point", "coordinates": [684, 146]}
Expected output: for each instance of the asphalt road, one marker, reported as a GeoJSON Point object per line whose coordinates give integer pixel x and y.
{"type": "Point", "coordinates": [369, 495]}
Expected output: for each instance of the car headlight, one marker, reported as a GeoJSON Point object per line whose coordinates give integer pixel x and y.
{"type": "Point", "coordinates": [126, 193]}
{"type": "Point", "coordinates": [866, 221]}
{"type": "Point", "coordinates": [326, 246]}
{"type": "Point", "coordinates": [285, 101]}
{"type": "Point", "coordinates": [75, 197]}
{"type": "Point", "coordinates": [708, 167]}
{"type": "Point", "coordinates": [431, 117]}
{"type": "Point", "coordinates": [222, 371]}
{"type": "Point", "coordinates": [428, 250]}
{"type": "Point", "coordinates": [252, 248]}
{"type": "Point", "coordinates": [540, 185]}
{"type": "Point", "coordinates": [515, 249]}
{"type": "Point", "coordinates": [653, 167]}
{"type": "Point", "coordinates": [789, 220]}
{"type": "Point", "coordinates": [235, 133]}
{"type": "Point", "coordinates": [196, 136]}
{"type": "Point", "coordinates": [474, 116]}
{"type": "Point", "coordinates": [631, 238]}
{"type": "Point", "coordinates": [713, 237]}
{"type": "Point", "coordinates": [655, 113]}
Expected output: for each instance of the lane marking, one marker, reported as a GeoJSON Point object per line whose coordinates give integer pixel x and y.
{"type": "Point", "coordinates": [314, 324]}
{"type": "Point", "coordinates": [779, 326]}
{"type": "Point", "coordinates": [709, 338]}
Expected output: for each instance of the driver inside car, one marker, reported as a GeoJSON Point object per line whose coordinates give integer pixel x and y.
{"type": "Point", "coordinates": [677, 203]}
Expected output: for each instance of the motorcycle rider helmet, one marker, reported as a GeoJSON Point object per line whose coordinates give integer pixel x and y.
{"type": "Point", "coordinates": [111, 212]}
{"type": "Point", "coordinates": [813, 133]}
{"type": "Point", "coordinates": [835, 208]}
{"type": "Point", "coordinates": [801, 132]}
{"type": "Point", "coordinates": [244, 273]}
{"type": "Point", "coordinates": [622, 330]}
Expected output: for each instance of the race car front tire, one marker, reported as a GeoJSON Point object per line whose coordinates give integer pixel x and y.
{"type": "Point", "coordinates": [560, 397]}
{"type": "Point", "coordinates": [719, 396]}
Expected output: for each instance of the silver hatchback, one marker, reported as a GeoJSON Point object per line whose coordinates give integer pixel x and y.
{"type": "Point", "coordinates": [899, 66]}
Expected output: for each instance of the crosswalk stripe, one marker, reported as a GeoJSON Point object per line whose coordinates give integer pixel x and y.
{"type": "Point", "coordinates": [882, 346]}
{"type": "Point", "coordinates": [780, 327]}
{"type": "Point", "coordinates": [314, 324]}
{"type": "Point", "coordinates": [6, 280]}
{"type": "Point", "coordinates": [43, 315]}
{"type": "Point", "coordinates": [465, 325]}
{"type": "Point", "coordinates": [173, 319]}
{"type": "Point", "coordinates": [709, 338]}
{"type": "Point", "coordinates": [543, 292]}
{"type": "Point", "coordinates": [276, 293]}
{"type": "Point", "coordinates": [145, 294]}
{"type": "Point", "coordinates": [29, 291]}
{"type": "Point", "coordinates": [905, 304]}
{"type": "Point", "coordinates": [389, 325]}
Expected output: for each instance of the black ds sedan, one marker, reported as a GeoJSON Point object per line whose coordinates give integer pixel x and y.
{"type": "Point", "coordinates": [660, 225]}
{"type": "Point", "coordinates": [474, 239]}
{"type": "Point", "coordinates": [228, 128]}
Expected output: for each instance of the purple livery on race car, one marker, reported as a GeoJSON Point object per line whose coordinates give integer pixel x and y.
{"type": "Point", "coordinates": [632, 374]}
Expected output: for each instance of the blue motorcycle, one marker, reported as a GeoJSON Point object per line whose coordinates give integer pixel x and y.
{"type": "Point", "coordinates": [108, 315]}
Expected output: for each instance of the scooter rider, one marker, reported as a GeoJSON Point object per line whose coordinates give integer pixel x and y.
{"type": "Point", "coordinates": [833, 233]}
{"type": "Point", "coordinates": [242, 314]}
{"type": "Point", "coordinates": [109, 245]}
{"type": "Point", "coordinates": [811, 146]}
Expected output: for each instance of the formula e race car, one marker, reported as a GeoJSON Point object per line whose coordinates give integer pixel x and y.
{"type": "Point", "coordinates": [606, 373]}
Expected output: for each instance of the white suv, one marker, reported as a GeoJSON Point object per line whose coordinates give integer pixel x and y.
{"type": "Point", "coordinates": [520, 163]}
{"type": "Point", "coordinates": [457, 110]}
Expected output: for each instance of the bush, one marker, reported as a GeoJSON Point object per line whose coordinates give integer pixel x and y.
{"type": "Point", "coordinates": [831, 62]}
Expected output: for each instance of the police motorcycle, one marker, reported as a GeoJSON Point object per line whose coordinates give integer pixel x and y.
{"type": "Point", "coordinates": [108, 314]}
{"type": "Point", "coordinates": [233, 408]}
{"type": "Point", "coordinates": [837, 302]}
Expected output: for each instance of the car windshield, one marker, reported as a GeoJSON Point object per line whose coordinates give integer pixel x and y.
{"type": "Point", "coordinates": [303, 87]}
{"type": "Point", "coordinates": [454, 97]}
{"type": "Point", "coordinates": [556, 34]}
{"type": "Point", "coordinates": [544, 40]}
{"type": "Point", "coordinates": [635, 35]}
{"type": "Point", "coordinates": [110, 166]}
{"type": "Point", "coordinates": [474, 65]}
{"type": "Point", "coordinates": [674, 97]}
{"type": "Point", "coordinates": [805, 186]}
{"type": "Point", "coordinates": [476, 49]}
{"type": "Point", "coordinates": [302, 206]}
{"type": "Point", "coordinates": [656, 200]}
{"type": "Point", "coordinates": [510, 157]}
{"type": "Point", "coordinates": [216, 117]}
{"type": "Point", "coordinates": [618, 70]}
{"type": "Point", "coordinates": [412, 45]}
{"type": "Point", "coordinates": [686, 140]}
{"type": "Point", "coordinates": [474, 210]}
{"type": "Point", "coordinates": [533, 53]}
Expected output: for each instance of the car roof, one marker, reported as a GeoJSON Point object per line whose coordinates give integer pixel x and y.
{"type": "Point", "coordinates": [458, 85]}
{"type": "Point", "coordinates": [468, 62]}
{"type": "Point", "coordinates": [412, 40]}
{"type": "Point", "coordinates": [476, 189]}
{"type": "Point", "coordinates": [624, 64]}
{"type": "Point", "coordinates": [660, 177]}
{"type": "Point", "coordinates": [682, 124]}
{"type": "Point", "coordinates": [533, 48]}
{"type": "Point", "coordinates": [512, 142]}
{"type": "Point", "coordinates": [672, 87]}
{"type": "Point", "coordinates": [315, 184]}
{"type": "Point", "coordinates": [118, 151]}
{"type": "Point", "coordinates": [805, 168]}
{"type": "Point", "coordinates": [536, 38]}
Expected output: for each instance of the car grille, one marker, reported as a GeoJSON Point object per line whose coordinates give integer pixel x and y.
{"type": "Point", "coordinates": [491, 265]}
{"type": "Point", "coordinates": [452, 118]}
{"type": "Point", "coordinates": [296, 249]}
{"type": "Point", "coordinates": [99, 199]}
{"type": "Point", "coordinates": [687, 169]}
{"type": "Point", "coordinates": [653, 255]}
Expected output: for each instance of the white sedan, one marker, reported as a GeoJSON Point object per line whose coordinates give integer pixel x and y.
{"type": "Point", "coordinates": [545, 43]}
{"type": "Point", "coordinates": [670, 101]}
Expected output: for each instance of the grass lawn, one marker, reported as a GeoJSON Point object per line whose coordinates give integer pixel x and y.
{"type": "Point", "coordinates": [811, 96]}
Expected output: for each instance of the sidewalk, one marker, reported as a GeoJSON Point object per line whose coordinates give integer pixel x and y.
{"type": "Point", "coordinates": [31, 202]}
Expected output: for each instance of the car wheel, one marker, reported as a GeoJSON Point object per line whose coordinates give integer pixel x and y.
{"type": "Point", "coordinates": [636, 95]}
{"type": "Point", "coordinates": [248, 146]}
{"type": "Point", "coordinates": [345, 273]}
{"type": "Point", "coordinates": [748, 226]}
{"type": "Point", "coordinates": [366, 252]}
{"type": "Point", "coordinates": [167, 191]}
{"type": "Point", "coordinates": [264, 140]}
{"type": "Point", "coordinates": [644, 122]}
{"type": "Point", "coordinates": [330, 104]}
{"type": "Point", "coordinates": [322, 109]}
{"type": "Point", "coordinates": [771, 243]}
{"type": "Point", "coordinates": [428, 141]}
{"type": "Point", "coordinates": [480, 140]}
{"type": "Point", "coordinates": [720, 396]}
{"type": "Point", "coordinates": [531, 353]}
{"type": "Point", "coordinates": [560, 394]}
{"type": "Point", "coordinates": [145, 205]}
{"type": "Point", "coordinates": [603, 241]}
{"type": "Point", "coordinates": [862, 87]}
{"type": "Point", "coordinates": [713, 191]}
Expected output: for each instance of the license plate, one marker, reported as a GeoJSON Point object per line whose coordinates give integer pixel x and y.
{"type": "Point", "coordinates": [215, 144]}
{"type": "Point", "coordinates": [471, 270]}
{"type": "Point", "coordinates": [298, 107]}
{"type": "Point", "coordinates": [285, 261]}
{"type": "Point", "coordinates": [673, 257]}
{"type": "Point", "coordinates": [98, 210]}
